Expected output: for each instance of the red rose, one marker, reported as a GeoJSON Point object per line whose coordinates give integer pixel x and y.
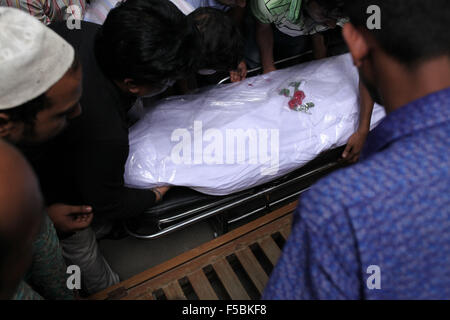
{"type": "Point", "coordinates": [293, 103]}
{"type": "Point", "coordinates": [299, 96]}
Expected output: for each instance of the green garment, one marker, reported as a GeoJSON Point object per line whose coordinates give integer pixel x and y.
{"type": "Point", "coordinates": [277, 7]}
{"type": "Point", "coordinates": [47, 277]}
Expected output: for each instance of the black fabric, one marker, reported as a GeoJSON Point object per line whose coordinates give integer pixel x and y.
{"type": "Point", "coordinates": [85, 164]}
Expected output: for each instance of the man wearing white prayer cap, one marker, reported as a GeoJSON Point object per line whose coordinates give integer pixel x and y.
{"type": "Point", "coordinates": [40, 85]}
{"type": "Point", "coordinates": [40, 90]}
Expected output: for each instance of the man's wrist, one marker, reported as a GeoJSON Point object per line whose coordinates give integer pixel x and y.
{"type": "Point", "coordinates": [363, 129]}
{"type": "Point", "coordinates": [268, 67]}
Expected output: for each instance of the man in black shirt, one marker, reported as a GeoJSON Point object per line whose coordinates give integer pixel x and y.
{"type": "Point", "coordinates": [142, 46]}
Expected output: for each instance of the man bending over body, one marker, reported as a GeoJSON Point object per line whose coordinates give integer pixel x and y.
{"type": "Point", "coordinates": [143, 46]}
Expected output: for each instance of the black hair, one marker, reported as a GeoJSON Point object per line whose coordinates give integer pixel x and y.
{"type": "Point", "coordinates": [148, 41]}
{"type": "Point", "coordinates": [222, 42]}
{"type": "Point", "coordinates": [28, 111]}
{"type": "Point", "coordinates": [331, 8]}
{"type": "Point", "coordinates": [412, 31]}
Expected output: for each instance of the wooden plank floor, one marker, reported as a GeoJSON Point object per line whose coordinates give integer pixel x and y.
{"type": "Point", "coordinates": [236, 265]}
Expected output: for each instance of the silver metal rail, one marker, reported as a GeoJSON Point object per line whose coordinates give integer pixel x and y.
{"type": "Point", "coordinates": [268, 206]}
{"type": "Point", "coordinates": [193, 211]}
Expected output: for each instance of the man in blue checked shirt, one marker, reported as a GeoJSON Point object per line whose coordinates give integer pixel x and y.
{"type": "Point", "coordinates": [381, 228]}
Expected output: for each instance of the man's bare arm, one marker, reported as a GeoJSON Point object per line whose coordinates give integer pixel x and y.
{"type": "Point", "coordinates": [356, 141]}
{"type": "Point", "coordinates": [319, 46]}
{"type": "Point", "coordinates": [366, 107]}
{"type": "Point", "coordinates": [264, 39]}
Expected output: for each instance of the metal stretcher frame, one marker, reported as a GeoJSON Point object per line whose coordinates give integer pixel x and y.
{"type": "Point", "coordinates": [220, 205]}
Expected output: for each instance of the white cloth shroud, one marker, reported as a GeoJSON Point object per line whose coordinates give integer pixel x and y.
{"type": "Point", "coordinates": [232, 137]}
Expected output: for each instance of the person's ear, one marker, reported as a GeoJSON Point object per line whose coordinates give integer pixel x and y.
{"type": "Point", "coordinates": [6, 125]}
{"type": "Point", "coordinates": [356, 42]}
{"type": "Point", "coordinates": [131, 86]}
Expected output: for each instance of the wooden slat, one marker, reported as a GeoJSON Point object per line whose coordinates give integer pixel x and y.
{"type": "Point", "coordinates": [253, 268]}
{"type": "Point", "coordinates": [230, 281]}
{"type": "Point", "coordinates": [201, 286]}
{"type": "Point", "coordinates": [203, 249]}
{"type": "Point", "coordinates": [209, 258]}
{"type": "Point", "coordinates": [147, 296]}
{"type": "Point", "coordinates": [271, 250]}
{"type": "Point", "coordinates": [285, 232]}
{"type": "Point", "coordinates": [174, 292]}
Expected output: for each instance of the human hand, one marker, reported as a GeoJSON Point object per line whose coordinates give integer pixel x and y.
{"type": "Point", "coordinates": [354, 146]}
{"type": "Point", "coordinates": [240, 73]}
{"type": "Point", "coordinates": [160, 192]}
{"type": "Point", "coordinates": [67, 218]}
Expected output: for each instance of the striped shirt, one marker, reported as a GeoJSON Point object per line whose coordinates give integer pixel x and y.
{"type": "Point", "coordinates": [98, 10]}
{"type": "Point", "coordinates": [303, 26]}
{"type": "Point", "coordinates": [48, 11]}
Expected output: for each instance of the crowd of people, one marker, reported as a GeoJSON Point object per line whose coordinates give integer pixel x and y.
{"type": "Point", "coordinates": [65, 97]}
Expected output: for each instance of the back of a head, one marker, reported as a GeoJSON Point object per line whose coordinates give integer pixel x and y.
{"type": "Point", "coordinates": [21, 210]}
{"type": "Point", "coordinates": [222, 42]}
{"type": "Point", "coordinates": [148, 41]}
{"type": "Point", "coordinates": [412, 31]}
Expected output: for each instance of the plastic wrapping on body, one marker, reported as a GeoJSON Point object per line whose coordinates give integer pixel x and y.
{"type": "Point", "coordinates": [232, 137]}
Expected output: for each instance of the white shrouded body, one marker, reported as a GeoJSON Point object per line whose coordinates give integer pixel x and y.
{"type": "Point", "coordinates": [235, 136]}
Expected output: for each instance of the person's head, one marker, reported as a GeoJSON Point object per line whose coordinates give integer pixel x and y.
{"type": "Point", "coordinates": [145, 44]}
{"type": "Point", "coordinates": [45, 116]}
{"type": "Point", "coordinates": [44, 80]}
{"type": "Point", "coordinates": [21, 213]}
{"type": "Point", "coordinates": [413, 33]}
{"type": "Point", "coordinates": [325, 12]}
{"type": "Point", "coordinates": [222, 42]}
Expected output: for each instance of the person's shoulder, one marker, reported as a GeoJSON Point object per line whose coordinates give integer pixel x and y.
{"type": "Point", "coordinates": [416, 157]}
{"type": "Point", "coordinates": [10, 157]}
{"type": "Point", "coordinates": [18, 180]}
{"type": "Point", "coordinates": [404, 164]}
{"type": "Point", "coordinates": [260, 11]}
{"type": "Point", "coordinates": [77, 34]}
{"type": "Point", "coordinates": [102, 124]}
{"type": "Point", "coordinates": [324, 207]}
{"type": "Point", "coordinates": [342, 186]}
{"type": "Point", "coordinates": [330, 196]}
